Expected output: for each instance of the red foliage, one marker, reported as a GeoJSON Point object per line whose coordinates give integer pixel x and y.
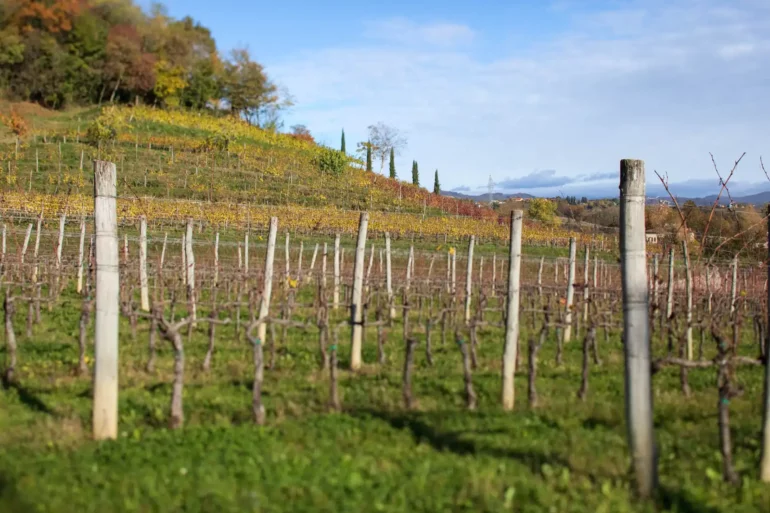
{"type": "Point", "coordinates": [49, 15]}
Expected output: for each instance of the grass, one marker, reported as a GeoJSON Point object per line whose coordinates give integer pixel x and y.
{"type": "Point", "coordinates": [567, 455]}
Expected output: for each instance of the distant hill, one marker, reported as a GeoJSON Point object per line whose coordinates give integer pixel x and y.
{"type": "Point", "coordinates": [497, 196]}
{"type": "Point", "coordinates": [759, 199]}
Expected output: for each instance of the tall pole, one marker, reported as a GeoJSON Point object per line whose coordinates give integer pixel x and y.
{"type": "Point", "coordinates": [570, 290]}
{"type": "Point", "coordinates": [105, 412]}
{"type": "Point", "coordinates": [638, 381]}
{"type": "Point", "coordinates": [356, 307]}
{"type": "Point", "coordinates": [512, 317]}
{"type": "Point", "coordinates": [468, 282]}
{"type": "Point", "coordinates": [145, 292]}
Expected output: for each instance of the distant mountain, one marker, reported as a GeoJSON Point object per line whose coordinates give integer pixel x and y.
{"type": "Point", "coordinates": [759, 199]}
{"type": "Point", "coordinates": [498, 196]}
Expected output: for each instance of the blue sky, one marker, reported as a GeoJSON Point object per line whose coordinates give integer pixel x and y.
{"type": "Point", "coordinates": [546, 97]}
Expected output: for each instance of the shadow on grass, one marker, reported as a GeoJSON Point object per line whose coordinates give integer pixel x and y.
{"type": "Point", "coordinates": [27, 397]}
{"type": "Point", "coordinates": [454, 442]}
{"type": "Point", "coordinates": [681, 502]}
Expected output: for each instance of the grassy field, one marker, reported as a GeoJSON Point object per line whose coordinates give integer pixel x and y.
{"type": "Point", "coordinates": [566, 455]}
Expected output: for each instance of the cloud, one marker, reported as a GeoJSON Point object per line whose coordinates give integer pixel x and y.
{"type": "Point", "coordinates": [404, 31]}
{"type": "Point", "coordinates": [547, 178]}
{"type": "Point", "coordinates": [462, 188]}
{"type": "Point", "coordinates": [667, 81]}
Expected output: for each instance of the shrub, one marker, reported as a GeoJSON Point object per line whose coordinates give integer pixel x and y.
{"type": "Point", "coordinates": [331, 162]}
{"type": "Point", "coordinates": [15, 123]}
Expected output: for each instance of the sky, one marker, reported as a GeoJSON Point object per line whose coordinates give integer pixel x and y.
{"type": "Point", "coordinates": [545, 97]}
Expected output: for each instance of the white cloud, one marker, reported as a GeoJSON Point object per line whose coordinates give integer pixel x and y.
{"type": "Point", "coordinates": [402, 30]}
{"type": "Point", "coordinates": [657, 80]}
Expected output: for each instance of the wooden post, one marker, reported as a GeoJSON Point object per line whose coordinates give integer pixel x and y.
{"type": "Point", "coordinates": [105, 407]}
{"type": "Point", "coordinates": [567, 333]}
{"type": "Point", "coordinates": [267, 290]}
{"type": "Point", "coordinates": [670, 291]}
{"type": "Point", "coordinates": [60, 242]}
{"type": "Point", "coordinates": [216, 259]}
{"type": "Point", "coordinates": [145, 292]}
{"type": "Point", "coordinates": [80, 253]}
{"type": "Point", "coordinates": [638, 386]}
{"type": "Point", "coordinates": [512, 317]}
{"type": "Point", "coordinates": [184, 260]}
{"type": "Point", "coordinates": [26, 242]}
{"type": "Point", "coordinates": [655, 270]}
{"type": "Point", "coordinates": [765, 462]}
{"type": "Point", "coordinates": [494, 273]}
{"type": "Point", "coordinates": [323, 266]}
{"type": "Point", "coordinates": [540, 276]}
{"type": "Point", "coordinates": [734, 286]}
{"type": "Point", "coordinates": [246, 253]}
{"type": "Point", "coordinates": [468, 278]}
{"type": "Point", "coordinates": [190, 261]}
{"type": "Point", "coordinates": [389, 277]}
{"type": "Point", "coordinates": [288, 258]}
{"type": "Point", "coordinates": [356, 307]}
{"type": "Point", "coordinates": [586, 288]}
{"type": "Point", "coordinates": [163, 250]}
{"type": "Point", "coordinates": [688, 287]}
{"type": "Point", "coordinates": [336, 291]}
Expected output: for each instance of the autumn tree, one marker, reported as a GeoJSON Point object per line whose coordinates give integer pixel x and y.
{"type": "Point", "coordinates": [383, 139]}
{"type": "Point", "coordinates": [543, 210]}
{"type": "Point", "coordinates": [301, 133]}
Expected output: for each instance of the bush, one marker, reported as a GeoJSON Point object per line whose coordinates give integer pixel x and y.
{"type": "Point", "coordinates": [105, 127]}
{"type": "Point", "coordinates": [15, 123]}
{"type": "Point", "coordinates": [331, 162]}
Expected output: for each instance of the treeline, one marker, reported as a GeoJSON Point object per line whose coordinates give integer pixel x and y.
{"type": "Point", "coordinates": [62, 52]}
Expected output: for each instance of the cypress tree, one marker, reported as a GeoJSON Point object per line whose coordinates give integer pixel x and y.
{"type": "Point", "coordinates": [392, 164]}
{"type": "Point", "coordinates": [436, 185]}
{"type": "Point", "coordinates": [342, 144]}
{"type": "Point", "coordinates": [415, 173]}
{"type": "Point", "coordinates": [369, 156]}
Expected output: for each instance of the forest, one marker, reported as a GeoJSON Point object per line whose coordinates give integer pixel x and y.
{"type": "Point", "coordinates": [60, 53]}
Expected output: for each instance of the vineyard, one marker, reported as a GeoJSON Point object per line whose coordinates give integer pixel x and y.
{"type": "Point", "coordinates": [263, 363]}
{"type": "Point", "coordinates": [175, 165]}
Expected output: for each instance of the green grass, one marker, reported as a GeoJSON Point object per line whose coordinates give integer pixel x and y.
{"type": "Point", "coordinates": [566, 455]}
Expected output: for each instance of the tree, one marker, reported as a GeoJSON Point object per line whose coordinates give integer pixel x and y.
{"type": "Point", "coordinates": [342, 143]}
{"type": "Point", "coordinates": [392, 164]}
{"type": "Point", "coordinates": [247, 89]}
{"type": "Point", "coordinates": [415, 173]}
{"type": "Point", "coordinates": [369, 156]}
{"type": "Point", "coordinates": [436, 184]}
{"type": "Point", "coordinates": [542, 210]}
{"type": "Point", "coordinates": [385, 138]}
{"type": "Point", "coordinates": [301, 133]}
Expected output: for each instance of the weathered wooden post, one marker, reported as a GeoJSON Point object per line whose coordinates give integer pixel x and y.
{"type": "Point", "coordinates": [586, 287]}
{"type": "Point", "coordinates": [356, 306]}
{"type": "Point", "coordinates": [246, 253]}
{"type": "Point", "coordinates": [190, 262]}
{"type": "Point", "coordinates": [267, 288]}
{"type": "Point", "coordinates": [216, 259]}
{"type": "Point", "coordinates": [26, 242]}
{"type": "Point", "coordinates": [688, 290]}
{"type": "Point", "coordinates": [336, 283]}
{"type": "Point", "coordinates": [636, 335]}
{"type": "Point", "coordinates": [670, 290]}
{"type": "Point", "coordinates": [468, 282]}
{"type": "Point", "coordinates": [80, 253]}
{"type": "Point", "coordinates": [389, 277]}
{"type": "Point", "coordinates": [734, 286]}
{"type": "Point", "coordinates": [567, 333]}
{"type": "Point", "coordinates": [105, 408]}
{"type": "Point", "coordinates": [512, 317]}
{"type": "Point", "coordinates": [145, 291]}
{"type": "Point", "coordinates": [765, 463]}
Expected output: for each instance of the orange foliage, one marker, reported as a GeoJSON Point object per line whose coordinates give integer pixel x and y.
{"type": "Point", "coordinates": [50, 15]}
{"type": "Point", "coordinates": [15, 123]}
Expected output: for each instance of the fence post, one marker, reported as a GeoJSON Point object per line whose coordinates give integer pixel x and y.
{"type": "Point", "coordinates": [190, 262]}
{"type": "Point", "coordinates": [105, 412]}
{"type": "Point", "coordinates": [567, 333]}
{"type": "Point", "coordinates": [267, 290]}
{"type": "Point", "coordinates": [688, 290]}
{"type": "Point", "coordinates": [586, 287]}
{"type": "Point", "coordinates": [512, 317]}
{"type": "Point", "coordinates": [636, 335]}
{"type": "Point", "coordinates": [389, 277]}
{"type": "Point", "coordinates": [145, 292]}
{"type": "Point", "coordinates": [356, 307]}
{"type": "Point", "coordinates": [734, 286]}
{"type": "Point", "coordinates": [765, 463]}
{"type": "Point", "coordinates": [80, 252]}
{"type": "Point", "coordinates": [468, 278]}
{"type": "Point", "coordinates": [336, 284]}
